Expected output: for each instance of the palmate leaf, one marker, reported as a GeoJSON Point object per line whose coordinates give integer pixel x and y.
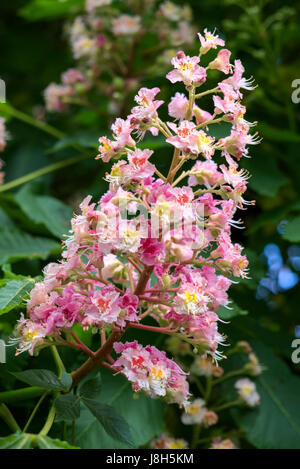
{"type": "Point", "coordinates": [13, 293]}
{"type": "Point", "coordinates": [42, 378]}
{"type": "Point", "coordinates": [144, 415]}
{"type": "Point", "coordinates": [45, 442]}
{"type": "Point", "coordinates": [27, 441]}
{"type": "Point", "coordinates": [16, 245]}
{"type": "Point", "coordinates": [17, 441]}
{"type": "Point", "coordinates": [91, 388]}
{"type": "Point", "coordinates": [67, 407]}
{"type": "Point", "coordinates": [114, 425]}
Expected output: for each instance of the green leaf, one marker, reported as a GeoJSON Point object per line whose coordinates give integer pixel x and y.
{"type": "Point", "coordinates": [45, 442]}
{"type": "Point", "coordinates": [16, 441]}
{"type": "Point", "coordinates": [45, 210]}
{"type": "Point", "coordinates": [48, 9]}
{"type": "Point", "coordinates": [145, 416]}
{"type": "Point", "coordinates": [265, 182]}
{"type": "Point", "coordinates": [67, 407]}
{"type": "Point", "coordinates": [42, 378]}
{"type": "Point", "coordinates": [91, 389]}
{"type": "Point", "coordinates": [16, 245]}
{"type": "Point", "coordinates": [114, 425]}
{"type": "Point", "coordinates": [235, 310]}
{"type": "Point", "coordinates": [5, 220]}
{"type": "Point", "coordinates": [292, 230]}
{"type": "Point", "coordinates": [85, 139]}
{"type": "Point", "coordinates": [278, 135]}
{"type": "Point", "coordinates": [66, 380]}
{"type": "Point", "coordinates": [275, 423]}
{"type": "Point", "coordinates": [13, 293]}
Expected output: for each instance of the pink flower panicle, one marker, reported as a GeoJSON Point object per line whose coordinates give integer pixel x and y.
{"type": "Point", "coordinates": [151, 246]}
{"type": "Point", "coordinates": [101, 37]}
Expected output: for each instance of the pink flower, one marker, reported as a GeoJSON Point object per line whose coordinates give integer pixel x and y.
{"type": "Point", "coordinates": [92, 5]}
{"type": "Point", "coordinates": [72, 76]}
{"type": "Point", "coordinates": [218, 443]}
{"type": "Point", "coordinates": [222, 62]}
{"type": "Point", "coordinates": [237, 81]}
{"type": "Point", "coordinates": [122, 132]}
{"type": "Point", "coordinates": [107, 306]}
{"type": "Point", "coordinates": [3, 134]}
{"type": "Point", "coordinates": [126, 24]}
{"type": "Point", "coordinates": [201, 115]}
{"type": "Point", "coordinates": [147, 106]}
{"type": "Point", "coordinates": [144, 115]}
{"type": "Point", "coordinates": [204, 172]}
{"type": "Point", "coordinates": [151, 250]}
{"type": "Point", "coordinates": [151, 371]}
{"type": "Point", "coordinates": [30, 335]}
{"type": "Point", "coordinates": [236, 143]}
{"type": "Point", "coordinates": [229, 103]}
{"type": "Point", "coordinates": [139, 166]}
{"type": "Point", "coordinates": [190, 140]}
{"type": "Point", "coordinates": [228, 256]}
{"type": "Point", "coordinates": [56, 96]}
{"type": "Point", "coordinates": [209, 41]}
{"type": "Point", "coordinates": [109, 149]}
{"type": "Point", "coordinates": [187, 70]}
{"type": "Point", "coordinates": [178, 106]}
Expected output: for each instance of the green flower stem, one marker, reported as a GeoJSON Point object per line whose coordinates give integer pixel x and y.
{"type": "Point", "coordinates": [228, 405]}
{"type": "Point", "coordinates": [208, 388]}
{"type": "Point", "coordinates": [21, 394]}
{"type": "Point", "coordinates": [58, 361]}
{"type": "Point", "coordinates": [199, 385]}
{"type": "Point", "coordinates": [41, 172]}
{"type": "Point", "coordinates": [214, 90]}
{"type": "Point", "coordinates": [49, 422]}
{"type": "Point", "coordinates": [195, 438]}
{"type": "Point", "coordinates": [34, 411]}
{"type": "Point", "coordinates": [8, 109]}
{"type": "Point", "coordinates": [192, 96]}
{"type": "Point", "coordinates": [228, 375]}
{"type": "Point", "coordinates": [8, 418]}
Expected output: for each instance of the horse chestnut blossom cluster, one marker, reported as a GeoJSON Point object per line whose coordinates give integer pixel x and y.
{"type": "Point", "coordinates": [105, 41]}
{"type": "Point", "coordinates": [152, 247]}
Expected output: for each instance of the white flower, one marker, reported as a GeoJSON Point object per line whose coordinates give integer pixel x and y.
{"type": "Point", "coordinates": [194, 412]}
{"type": "Point", "coordinates": [247, 391]}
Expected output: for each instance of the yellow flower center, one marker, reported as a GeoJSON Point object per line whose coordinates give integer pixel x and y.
{"type": "Point", "coordinates": [157, 373]}
{"type": "Point", "coordinates": [185, 66]}
{"type": "Point", "coordinates": [30, 335]}
{"type": "Point", "coordinates": [203, 139]}
{"type": "Point", "coordinates": [246, 390]}
{"type": "Point", "coordinates": [193, 409]}
{"type": "Point", "coordinates": [106, 146]}
{"type": "Point", "coordinates": [176, 445]}
{"type": "Point", "coordinates": [190, 297]}
{"type": "Point", "coordinates": [115, 171]}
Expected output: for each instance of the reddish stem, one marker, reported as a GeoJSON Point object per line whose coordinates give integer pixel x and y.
{"type": "Point", "coordinates": [163, 330]}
